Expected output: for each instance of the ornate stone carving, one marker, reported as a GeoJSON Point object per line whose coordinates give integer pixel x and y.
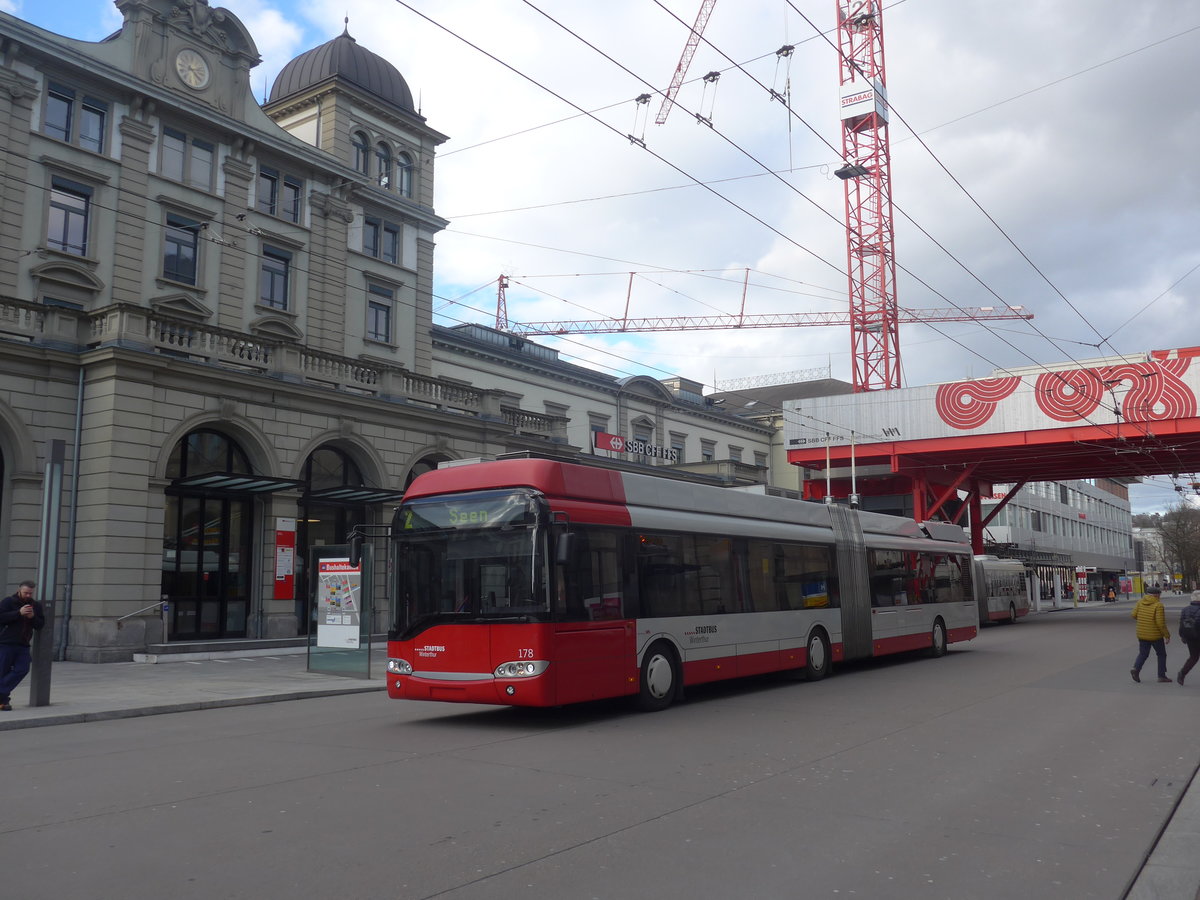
{"type": "Point", "coordinates": [330, 207]}
{"type": "Point", "coordinates": [202, 20]}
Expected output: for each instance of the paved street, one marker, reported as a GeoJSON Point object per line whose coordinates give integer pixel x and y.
{"type": "Point", "coordinates": [1027, 764]}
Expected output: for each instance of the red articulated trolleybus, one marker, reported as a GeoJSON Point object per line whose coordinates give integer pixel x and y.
{"type": "Point", "coordinates": [535, 582]}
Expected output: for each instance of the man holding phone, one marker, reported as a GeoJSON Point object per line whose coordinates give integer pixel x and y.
{"type": "Point", "coordinates": [20, 617]}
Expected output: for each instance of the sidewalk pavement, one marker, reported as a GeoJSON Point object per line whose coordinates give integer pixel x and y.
{"type": "Point", "coordinates": [90, 692]}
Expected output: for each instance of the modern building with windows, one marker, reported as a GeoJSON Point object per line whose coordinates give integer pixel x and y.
{"type": "Point", "coordinates": [1058, 528]}
{"type": "Point", "coordinates": [223, 311]}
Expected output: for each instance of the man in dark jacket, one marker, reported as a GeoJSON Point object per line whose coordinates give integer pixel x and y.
{"type": "Point", "coordinates": [1189, 630]}
{"type": "Point", "coordinates": [20, 617]}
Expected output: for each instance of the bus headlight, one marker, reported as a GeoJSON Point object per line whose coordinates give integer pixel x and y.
{"type": "Point", "coordinates": [526, 668]}
{"type": "Point", "coordinates": [399, 667]}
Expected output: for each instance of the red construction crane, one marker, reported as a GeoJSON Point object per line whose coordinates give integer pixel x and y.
{"type": "Point", "coordinates": [740, 320]}
{"type": "Point", "coordinates": [771, 320]}
{"type": "Point", "coordinates": [867, 180]}
{"type": "Point", "coordinates": [685, 60]}
{"type": "Point", "coordinates": [874, 316]}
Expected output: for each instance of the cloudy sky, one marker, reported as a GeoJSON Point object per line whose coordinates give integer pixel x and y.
{"type": "Point", "coordinates": [1042, 155]}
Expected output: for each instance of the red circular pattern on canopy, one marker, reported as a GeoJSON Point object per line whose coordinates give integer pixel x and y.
{"type": "Point", "coordinates": [968, 404]}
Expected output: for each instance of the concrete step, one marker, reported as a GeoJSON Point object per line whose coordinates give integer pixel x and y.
{"type": "Point", "coordinates": [187, 651]}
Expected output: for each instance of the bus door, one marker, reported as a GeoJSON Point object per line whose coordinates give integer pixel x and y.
{"type": "Point", "coordinates": [595, 652]}
{"type": "Point", "coordinates": [852, 579]}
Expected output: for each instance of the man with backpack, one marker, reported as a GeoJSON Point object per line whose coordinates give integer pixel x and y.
{"type": "Point", "coordinates": [1189, 631]}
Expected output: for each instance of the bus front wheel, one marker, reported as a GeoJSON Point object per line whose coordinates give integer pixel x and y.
{"type": "Point", "coordinates": [660, 678]}
{"type": "Point", "coordinates": [817, 661]}
{"type": "Point", "coordinates": [938, 647]}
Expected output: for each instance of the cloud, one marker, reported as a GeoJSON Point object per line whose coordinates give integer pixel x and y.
{"type": "Point", "coordinates": [278, 36]}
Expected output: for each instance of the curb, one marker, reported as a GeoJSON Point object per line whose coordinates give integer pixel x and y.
{"type": "Point", "coordinates": [106, 715]}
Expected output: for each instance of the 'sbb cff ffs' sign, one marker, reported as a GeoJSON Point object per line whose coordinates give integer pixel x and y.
{"type": "Point", "coordinates": [602, 440]}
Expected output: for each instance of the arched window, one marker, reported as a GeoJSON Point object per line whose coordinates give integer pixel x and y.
{"type": "Point", "coordinates": [362, 152]}
{"type": "Point", "coordinates": [383, 159]}
{"type": "Point", "coordinates": [208, 541]}
{"type": "Point", "coordinates": [404, 174]}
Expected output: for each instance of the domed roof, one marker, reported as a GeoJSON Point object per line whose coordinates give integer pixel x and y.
{"type": "Point", "coordinates": [343, 58]}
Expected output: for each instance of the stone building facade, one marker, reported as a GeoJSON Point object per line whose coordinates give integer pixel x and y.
{"type": "Point", "coordinates": [224, 313]}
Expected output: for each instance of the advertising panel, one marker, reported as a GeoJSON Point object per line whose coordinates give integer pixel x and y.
{"type": "Point", "coordinates": [285, 559]}
{"type": "Point", "coordinates": [339, 603]}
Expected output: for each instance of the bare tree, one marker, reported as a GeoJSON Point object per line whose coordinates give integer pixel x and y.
{"type": "Point", "coordinates": [1181, 542]}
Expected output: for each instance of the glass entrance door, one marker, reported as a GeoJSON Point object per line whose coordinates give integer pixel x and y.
{"type": "Point", "coordinates": [207, 557]}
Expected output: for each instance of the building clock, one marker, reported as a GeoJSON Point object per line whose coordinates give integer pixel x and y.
{"type": "Point", "coordinates": [192, 69]}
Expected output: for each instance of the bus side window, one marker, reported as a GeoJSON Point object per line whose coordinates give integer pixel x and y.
{"type": "Point", "coordinates": [593, 581]}
{"type": "Point", "coordinates": [718, 593]}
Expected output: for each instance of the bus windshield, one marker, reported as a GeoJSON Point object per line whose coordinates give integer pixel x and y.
{"type": "Point", "coordinates": [461, 559]}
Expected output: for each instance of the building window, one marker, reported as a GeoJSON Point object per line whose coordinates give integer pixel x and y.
{"type": "Point", "coordinates": [279, 194]}
{"type": "Point", "coordinates": [597, 425]}
{"type": "Point", "coordinates": [678, 445]}
{"type": "Point", "coordinates": [371, 236]}
{"type": "Point", "coordinates": [760, 459]}
{"type": "Point", "coordinates": [187, 159]}
{"type": "Point", "coordinates": [383, 165]}
{"type": "Point", "coordinates": [75, 118]}
{"type": "Point", "coordinates": [381, 239]}
{"type": "Point", "coordinates": [180, 249]}
{"type": "Point", "coordinates": [362, 151]}
{"type": "Point", "coordinates": [275, 277]}
{"type": "Point", "coordinates": [404, 175]}
{"type": "Point", "coordinates": [735, 453]}
{"type": "Point", "coordinates": [380, 301]}
{"type": "Point", "coordinates": [67, 224]}
{"type": "Point", "coordinates": [708, 450]}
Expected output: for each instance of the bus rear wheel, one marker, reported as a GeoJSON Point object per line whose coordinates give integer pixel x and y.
{"type": "Point", "coordinates": [660, 678]}
{"type": "Point", "coordinates": [938, 647]}
{"type": "Point", "coordinates": [817, 661]}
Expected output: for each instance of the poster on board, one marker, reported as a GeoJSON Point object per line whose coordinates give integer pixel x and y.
{"type": "Point", "coordinates": [339, 603]}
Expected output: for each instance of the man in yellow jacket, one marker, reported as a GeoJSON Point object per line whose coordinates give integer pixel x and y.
{"type": "Point", "coordinates": [1151, 632]}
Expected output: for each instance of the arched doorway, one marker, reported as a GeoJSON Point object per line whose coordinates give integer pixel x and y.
{"type": "Point", "coordinates": [208, 536]}
{"type": "Point", "coordinates": [423, 465]}
{"type": "Point", "coordinates": [332, 502]}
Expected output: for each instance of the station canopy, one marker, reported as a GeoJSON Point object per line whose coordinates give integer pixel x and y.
{"type": "Point", "coordinates": [1125, 417]}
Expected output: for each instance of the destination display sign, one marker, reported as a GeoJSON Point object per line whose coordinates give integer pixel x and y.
{"type": "Point", "coordinates": [476, 511]}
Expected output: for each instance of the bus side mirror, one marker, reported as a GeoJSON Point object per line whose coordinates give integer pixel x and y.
{"type": "Point", "coordinates": [356, 544]}
{"type": "Point", "coordinates": [565, 548]}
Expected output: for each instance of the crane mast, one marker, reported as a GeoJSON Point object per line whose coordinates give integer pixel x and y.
{"type": "Point", "coordinates": [867, 182]}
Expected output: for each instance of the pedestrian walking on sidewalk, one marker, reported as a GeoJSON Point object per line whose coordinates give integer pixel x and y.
{"type": "Point", "coordinates": [1189, 631]}
{"type": "Point", "coordinates": [1151, 633]}
{"type": "Point", "coordinates": [20, 617]}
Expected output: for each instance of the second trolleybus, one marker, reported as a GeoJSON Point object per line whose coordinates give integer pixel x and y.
{"type": "Point", "coordinates": [536, 582]}
{"type": "Point", "coordinates": [1002, 589]}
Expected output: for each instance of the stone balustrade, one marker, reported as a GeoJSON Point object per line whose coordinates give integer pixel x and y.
{"type": "Point", "coordinates": [21, 320]}
{"type": "Point", "coordinates": [137, 328]}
